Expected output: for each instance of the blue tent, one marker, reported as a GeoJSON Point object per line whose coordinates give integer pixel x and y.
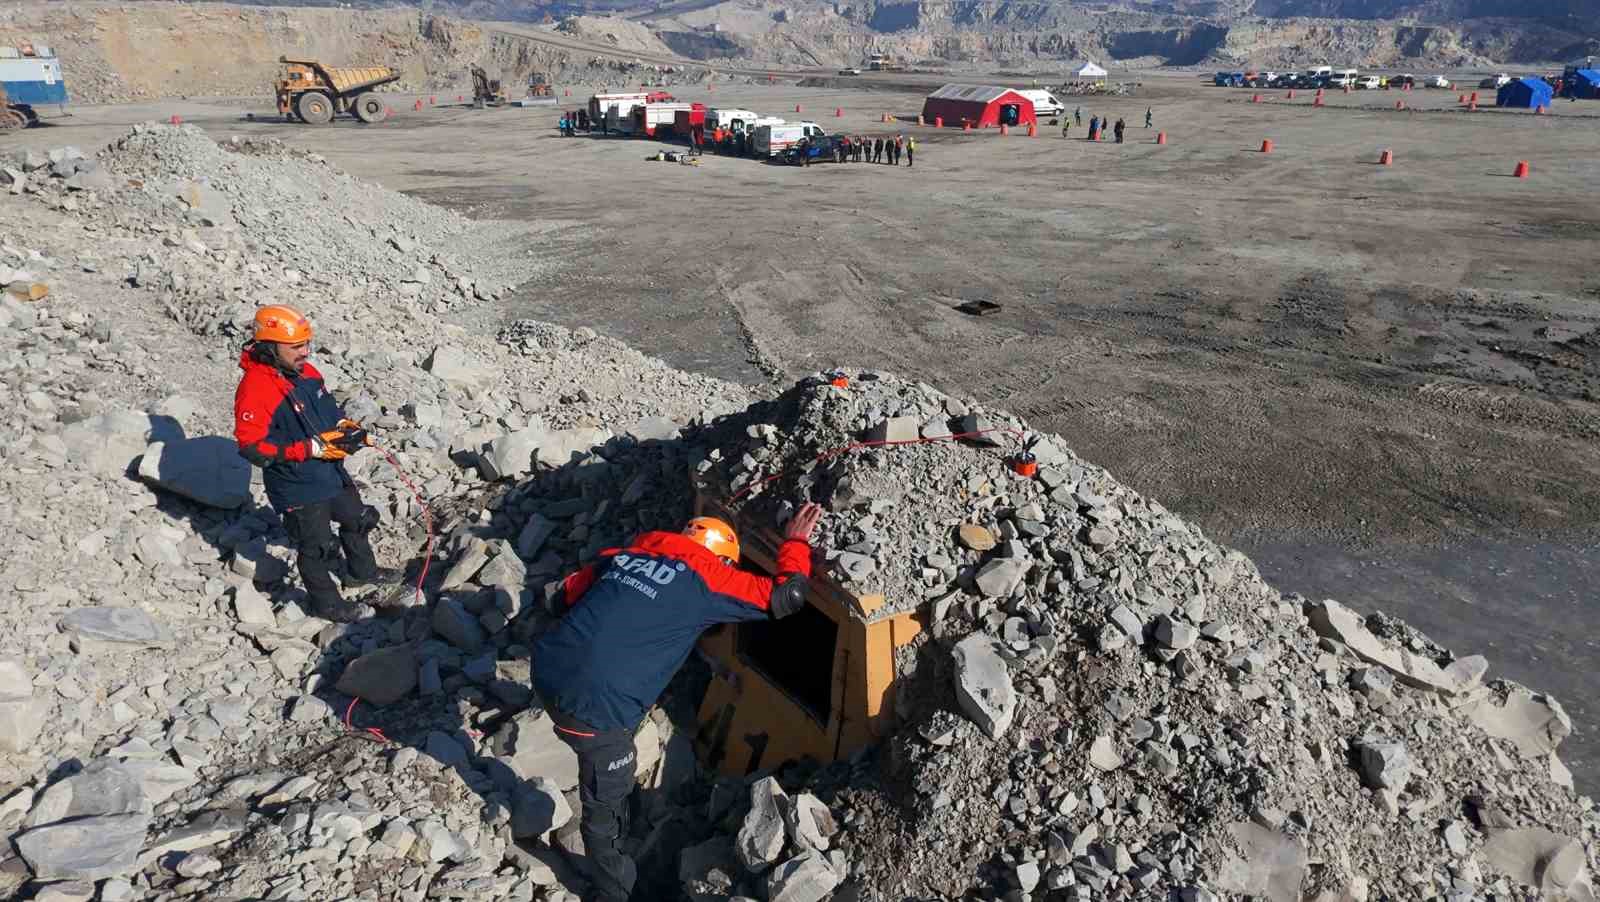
{"type": "Point", "coordinates": [1586, 84]}
{"type": "Point", "coordinates": [1526, 93]}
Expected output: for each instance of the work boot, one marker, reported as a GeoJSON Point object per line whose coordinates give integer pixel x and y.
{"type": "Point", "coordinates": [342, 611]}
{"type": "Point", "coordinates": [385, 588]}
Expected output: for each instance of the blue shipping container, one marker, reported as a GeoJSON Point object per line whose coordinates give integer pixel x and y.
{"type": "Point", "coordinates": [33, 81]}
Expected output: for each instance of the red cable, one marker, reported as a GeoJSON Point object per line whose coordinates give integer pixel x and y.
{"type": "Point", "coordinates": [856, 446]}
{"type": "Point", "coordinates": [427, 519]}
{"type": "Point", "coordinates": [427, 558]}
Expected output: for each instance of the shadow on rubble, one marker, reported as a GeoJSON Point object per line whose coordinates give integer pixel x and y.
{"type": "Point", "coordinates": [449, 679]}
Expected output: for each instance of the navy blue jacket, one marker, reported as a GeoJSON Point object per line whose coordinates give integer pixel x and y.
{"type": "Point", "coordinates": [275, 415]}
{"type": "Point", "coordinates": [637, 613]}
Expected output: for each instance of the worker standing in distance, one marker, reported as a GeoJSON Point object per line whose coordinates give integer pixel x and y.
{"type": "Point", "coordinates": [877, 150]}
{"type": "Point", "coordinates": [630, 622]}
{"type": "Point", "coordinates": [1149, 117]}
{"type": "Point", "coordinates": [287, 423]}
{"type": "Point", "coordinates": [911, 151]}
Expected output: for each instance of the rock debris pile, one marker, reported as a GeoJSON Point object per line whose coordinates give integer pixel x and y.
{"type": "Point", "coordinates": [1143, 715]}
{"type": "Point", "coordinates": [1104, 703]}
{"type": "Point", "coordinates": [170, 717]}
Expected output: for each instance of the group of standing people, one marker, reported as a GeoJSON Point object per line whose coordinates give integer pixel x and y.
{"type": "Point", "coordinates": [573, 122]}
{"type": "Point", "coordinates": [1098, 125]}
{"type": "Point", "coordinates": [883, 150]}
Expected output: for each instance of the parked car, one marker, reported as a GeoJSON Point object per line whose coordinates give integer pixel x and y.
{"type": "Point", "coordinates": [1368, 83]}
{"type": "Point", "coordinates": [851, 71]}
{"type": "Point", "coordinates": [1437, 81]}
{"type": "Point", "coordinates": [1495, 81]}
{"type": "Point", "coordinates": [816, 149]}
{"type": "Point", "coordinates": [1286, 80]}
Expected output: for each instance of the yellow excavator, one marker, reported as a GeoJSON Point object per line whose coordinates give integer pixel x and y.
{"type": "Point", "coordinates": [486, 91]}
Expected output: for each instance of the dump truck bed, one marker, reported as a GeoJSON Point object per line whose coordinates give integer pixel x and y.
{"type": "Point", "coordinates": [351, 79]}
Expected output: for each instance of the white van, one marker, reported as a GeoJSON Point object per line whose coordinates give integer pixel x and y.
{"type": "Point", "coordinates": [1044, 102]}
{"type": "Point", "coordinates": [771, 140]}
{"type": "Point", "coordinates": [733, 120]}
{"type": "Point", "coordinates": [1343, 78]}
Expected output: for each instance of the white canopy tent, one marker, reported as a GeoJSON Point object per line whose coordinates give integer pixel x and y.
{"type": "Point", "coordinates": [1089, 72]}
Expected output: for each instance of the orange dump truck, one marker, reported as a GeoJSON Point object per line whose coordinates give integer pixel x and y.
{"type": "Point", "coordinates": [313, 93]}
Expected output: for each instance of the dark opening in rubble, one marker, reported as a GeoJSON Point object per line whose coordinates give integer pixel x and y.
{"type": "Point", "coordinates": [796, 655]}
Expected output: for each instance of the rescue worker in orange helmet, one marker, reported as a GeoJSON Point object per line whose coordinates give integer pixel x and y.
{"type": "Point", "coordinates": [288, 424]}
{"type": "Point", "coordinates": [630, 621]}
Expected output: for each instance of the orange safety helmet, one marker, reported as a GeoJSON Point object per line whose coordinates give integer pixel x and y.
{"type": "Point", "coordinates": [287, 325]}
{"type": "Point", "coordinates": [716, 535]}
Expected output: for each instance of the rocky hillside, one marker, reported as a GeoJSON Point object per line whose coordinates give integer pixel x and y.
{"type": "Point", "coordinates": [138, 51]}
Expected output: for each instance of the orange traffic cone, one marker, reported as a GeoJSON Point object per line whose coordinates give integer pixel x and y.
{"type": "Point", "coordinates": [1255, 98]}
{"type": "Point", "coordinates": [1266, 146]}
{"type": "Point", "coordinates": [1522, 171]}
{"type": "Point", "coordinates": [1290, 95]}
{"type": "Point", "coordinates": [938, 122]}
{"type": "Point", "coordinates": [1033, 130]}
{"type": "Point", "coordinates": [175, 120]}
{"type": "Point", "coordinates": [1399, 104]}
{"type": "Point", "coordinates": [1472, 107]}
{"type": "Point", "coordinates": [1539, 110]}
{"type": "Point", "coordinates": [1317, 101]}
{"type": "Point", "coordinates": [1161, 137]}
{"type": "Point", "coordinates": [417, 107]}
{"type": "Point", "coordinates": [797, 108]}
{"type": "Point", "coordinates": [1386, 158]}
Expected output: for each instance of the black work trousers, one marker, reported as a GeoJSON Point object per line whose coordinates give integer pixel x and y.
{"type": "Point", "coordinates": [605, 782]}
{"type": "Point", "coordinates": [311, 528]}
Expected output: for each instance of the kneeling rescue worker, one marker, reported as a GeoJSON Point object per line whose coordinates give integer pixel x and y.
{"type": "Point", "coordinates": [288, 424]}
{"type": "Point", "coordinates": [631, 620]}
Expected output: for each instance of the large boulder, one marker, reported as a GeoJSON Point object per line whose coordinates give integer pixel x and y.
{"type": "Point", "coordinates": [529, 746]}
{"type": "Point", "coordinates": [1332, 620]}
{"type": "Point", "coordinates": [115, 626]}
{"type": "Point", "coordinates": [89, 848]}
{"type": "Point", "coordinates": [108, 443]}
{"type": "Point", "coordinates": [983, 684]}
{"type": "Point", "coordinates": [804, 878]}
{"type": "Point", "coordinates": [538, 807]}
{"type": "Point", "coordinates": [22, 713]}
{"type": "Point", "coordinates": [381, 677]}
{"type": "Point", "coordinates": [1270, 866]}
{"type": "Point", "coordinates": [454, 366]}
{"type": "Point", "coordinates": [761, 836]}
{"type": "Point", "coordinates": [206, 469]}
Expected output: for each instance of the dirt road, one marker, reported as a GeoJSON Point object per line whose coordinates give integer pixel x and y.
{"type": "Point", "coordinates": [1381, 381]}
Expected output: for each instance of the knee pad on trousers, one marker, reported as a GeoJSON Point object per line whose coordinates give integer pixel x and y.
{"type": "Point", "coordinates": [370, 518]}
{"type": "Point", "coordinates": [326, 552]}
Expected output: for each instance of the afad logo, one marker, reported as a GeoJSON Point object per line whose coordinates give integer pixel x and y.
{"type": "Point", "coordinates": [620, 762]}
{"type": "Point", "coordinates": [659, 572]}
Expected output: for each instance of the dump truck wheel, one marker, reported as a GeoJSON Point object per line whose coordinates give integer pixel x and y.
{"type": "Point", "coordinates": [369, 108]}
{"type": "Point", "coordinates": [314, 108]}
